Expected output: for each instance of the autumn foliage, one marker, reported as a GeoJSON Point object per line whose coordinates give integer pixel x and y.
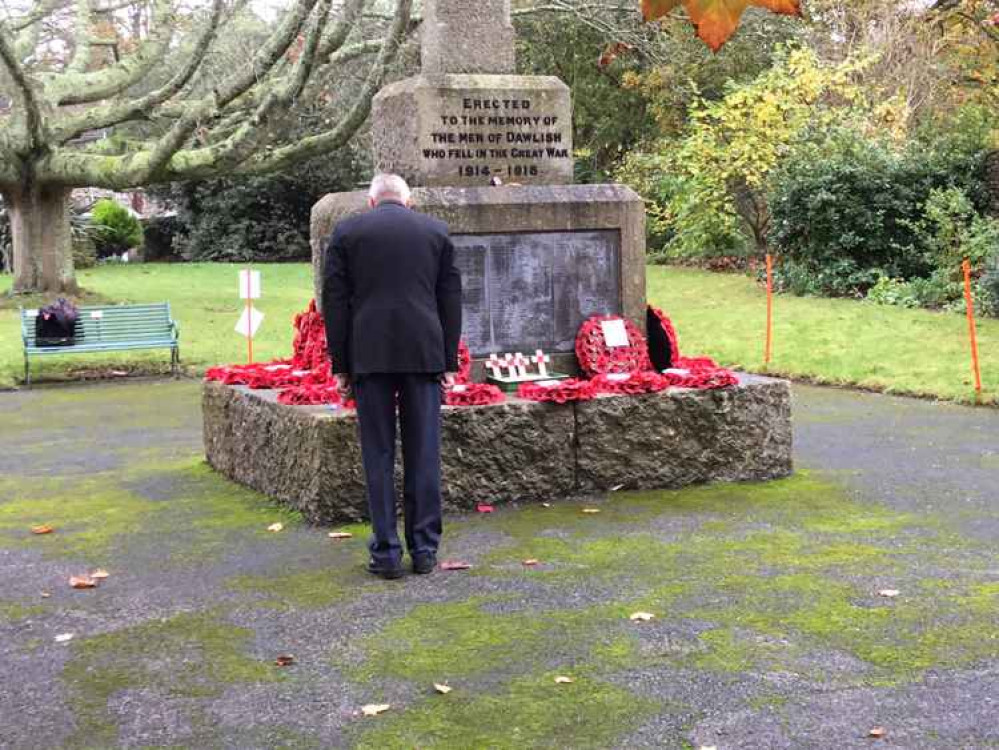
{"type": "Point", "coordinates": [716, 20]}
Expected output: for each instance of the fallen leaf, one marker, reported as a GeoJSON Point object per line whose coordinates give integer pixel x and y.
{"type": "Point", "coordinates": [889, 593]}
{"type": "Point", "coordinates": [531, 563]}
{"type": "Point", "coordinates": [455, 565]}
{"type": "Point", "coordinates": [341, 535]}
{"type": "Point", "coordinates": [63, 637]}
{"type": "Point", "coordinates": [877, 732]}
{"type": "Point", "coordinates": [484, 508]}
{"type": "Point", "coordinates": [275, 527]}
{"type": "Point", "coordinates": [707, 747]}
{"type": "Point", "coordinates": [285, 660]}
{"type": "Point", "coordinates": [82, 582]}
{"type": "Point", "coordinates": [562, 680]}
{"type": "Point", "coordinates": [591, 510]}
{"type": "Point", "coordinates": [373, 709]}
{"type": "Point", "coordinates": [100, 574]}
{"type": "Point", "coordinates": [617, 487]}
{"type": "Point", "coordinates": [46, 594]}
{"type": "Point", "coordinates": [546, 505]}
{"type": "Point", "coordinates": [43, 529]}
{"type": "Point", "coordinates": [642, 617]}
{"type": "Point", "coordinates": [442, 689]}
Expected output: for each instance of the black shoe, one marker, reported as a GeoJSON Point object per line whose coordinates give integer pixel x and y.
{"type": "Point", "coordinates": [389, 573]}
{"type": "Point", "coordinates": [424, 564]}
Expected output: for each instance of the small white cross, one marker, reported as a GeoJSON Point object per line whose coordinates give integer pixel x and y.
{"type": "Point", "coordinates": [511, 364]}
{"type": "Point", "coordinates": [522, 363]}
{"type": "Point", "coordinates": [541, 360]}
{"type": "Point", "coordinates": [494, 365]}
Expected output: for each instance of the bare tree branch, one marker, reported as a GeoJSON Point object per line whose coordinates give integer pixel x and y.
{"type": "Point", "coordinates": [77, 88]}
{"type": "Point", "coordinates": [317, 144]}
{"type": "Point", "coordinates": [26, 93]}
{"type": "Point", "coordinates": [114, 113]}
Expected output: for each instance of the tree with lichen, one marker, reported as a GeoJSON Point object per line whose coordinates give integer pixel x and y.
{"type": "Point", "coordinates": [74, 71]}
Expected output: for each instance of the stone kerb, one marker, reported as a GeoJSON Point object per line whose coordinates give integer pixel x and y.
{"type": "Point", "coordinates": [309, 457]}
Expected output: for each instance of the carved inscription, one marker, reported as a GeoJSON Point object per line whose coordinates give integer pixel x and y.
{"type": "Point", "coordinates": [529, 290]}
{"type": "Point", "coordinates": [515, 137]}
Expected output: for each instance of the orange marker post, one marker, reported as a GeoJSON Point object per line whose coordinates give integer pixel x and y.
{"type": "Point", "coordinates": [969, 301]}
{"type": "Point", "coordinates": [768, 352]}
{"type": "Point", "coordinates": [249, 319]}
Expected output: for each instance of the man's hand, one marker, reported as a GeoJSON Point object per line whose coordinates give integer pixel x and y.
{"type": "Point", "coordinates": [344, 386]}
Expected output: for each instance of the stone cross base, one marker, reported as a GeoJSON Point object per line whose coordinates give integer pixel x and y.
{"type": "Point", "coordinates": [470, 129]}
{"type": "Point", "coordinates": [309, 458]}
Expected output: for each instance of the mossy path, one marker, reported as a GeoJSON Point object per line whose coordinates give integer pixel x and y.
{"type": "Point", "coordinates": [769, 628]}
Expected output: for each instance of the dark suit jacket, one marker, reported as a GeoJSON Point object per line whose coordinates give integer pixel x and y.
{"type": "Point", "coordinates": [391, 294]}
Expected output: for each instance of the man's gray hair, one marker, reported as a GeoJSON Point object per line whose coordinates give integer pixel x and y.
{"type": "Point", "coordinates": [389, 187]}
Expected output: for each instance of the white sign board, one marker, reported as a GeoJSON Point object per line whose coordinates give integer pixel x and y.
{"type": "Point", "coordinates": [249, 322]}
{"type": "Point", "coordinates": [249, 284]}
{"type": "Point", "coordinates": [615, 334]}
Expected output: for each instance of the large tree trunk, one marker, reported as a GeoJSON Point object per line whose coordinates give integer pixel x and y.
{"type": "Point", "coordinates": [42, 242]}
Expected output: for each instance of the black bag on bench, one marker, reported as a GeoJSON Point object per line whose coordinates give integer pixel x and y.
{"type": "Point", "coordinates": [56, 324]}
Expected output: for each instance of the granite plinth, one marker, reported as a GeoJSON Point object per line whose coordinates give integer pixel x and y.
{"type": "Point", "coordinates": [309, 457]}
{"type": "Point", "coordinates": [596, 232]}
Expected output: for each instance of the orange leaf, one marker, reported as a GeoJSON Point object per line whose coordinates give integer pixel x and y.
{"type": "Point", "coordinates": [340, 535]}
{"type": "Point", "coordinates": [531, 563]}
{"type": "Point", "coordinates": [82, 582]}
{"type": "Point", "coordinates": [455, 565]}
{"type": "Point", "coordinates": [612, 52]}
{"type": "Point", "coordinates": [655, 9]}
{"type": "Point", "coordinates": [285, 660]}
{"type": "Point", "coordinates": [44, 529]}
{"type": "Point", "coordinates": [100, 574]}
{"type": "Point", "coordinates": [717, 20]}
{"type": "Point", "coordinates": [877, 733]}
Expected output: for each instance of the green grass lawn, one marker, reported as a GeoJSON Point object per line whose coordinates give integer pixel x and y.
{"type": "Point", "coordinates": [205, 302]}
{"type": "Point", "coordinates": [832, 341]}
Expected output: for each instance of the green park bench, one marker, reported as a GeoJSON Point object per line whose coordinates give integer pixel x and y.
{"type": "Point", "coordinates": [109, 329]}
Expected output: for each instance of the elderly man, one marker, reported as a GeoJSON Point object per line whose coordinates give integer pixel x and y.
{"type": "Point", "coordinates": [392, 306]}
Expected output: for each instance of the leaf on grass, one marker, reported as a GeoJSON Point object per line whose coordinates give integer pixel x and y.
{"type": "Point", "coordinates": [442, 689]}
{"type": "Point", "coordinates": [373, 709]}
{"type": "Point", "coordinates": [484, 508]}
{"type": "Point", "coordinates": [617, 487]}
{"type": "Point", "coordinates": [546, 505]}
{"type": "Point", "coordinates": [64, 637]}
{"type": "Point", "coordinates": [455, 565]}
{"type": "Point", "coordinates": [591, 511]}
{"type": "Point", "coordinates": [82, 582]}
{"type": "Point", "coordinates": [531, 563]}
{"type": "Point", "coordinates": [100, 574]}
{"type": "Point", "coordinates": [642, 617]}
{"type": "Point", "coordinates": [46, 594]}
{"type": "Point", "coordinates": [43, 529]}
{"type": "Point", "coordinates": [889, 593]}
{"type": "Point", "coordinates": [563, 680]}
{"type": "Point", "coordinates": [877, 732]}
{"type": "Point", "coordinates": [341, 535]}
{"type": "Point", "coordinates": [716, 20]}
{"type": "Point", "coordinates": [285, 660]}
{"type": "Point", "coordinates": [276, 527]}
{"type": "Point", "coordinates": [612, 51]}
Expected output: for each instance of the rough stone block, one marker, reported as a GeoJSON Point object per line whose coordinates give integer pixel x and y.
{"type": "Point", "coordinates": [685, 437]}
{"type": "Point", "coordinates": [309, 457]}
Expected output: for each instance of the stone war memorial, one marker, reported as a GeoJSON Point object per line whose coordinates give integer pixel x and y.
{"type": "Point", "coordinates": [554, 307]}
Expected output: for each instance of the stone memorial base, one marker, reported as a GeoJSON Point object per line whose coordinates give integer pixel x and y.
{"type": "Point", "coordinates": [309, 457]}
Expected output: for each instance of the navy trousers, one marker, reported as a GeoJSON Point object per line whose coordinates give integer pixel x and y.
{"type": "Point", "coordinates": [419, 403]}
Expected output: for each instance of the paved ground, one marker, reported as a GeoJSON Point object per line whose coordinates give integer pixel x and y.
{"type": "Point", "coordinates": [769, 630]}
